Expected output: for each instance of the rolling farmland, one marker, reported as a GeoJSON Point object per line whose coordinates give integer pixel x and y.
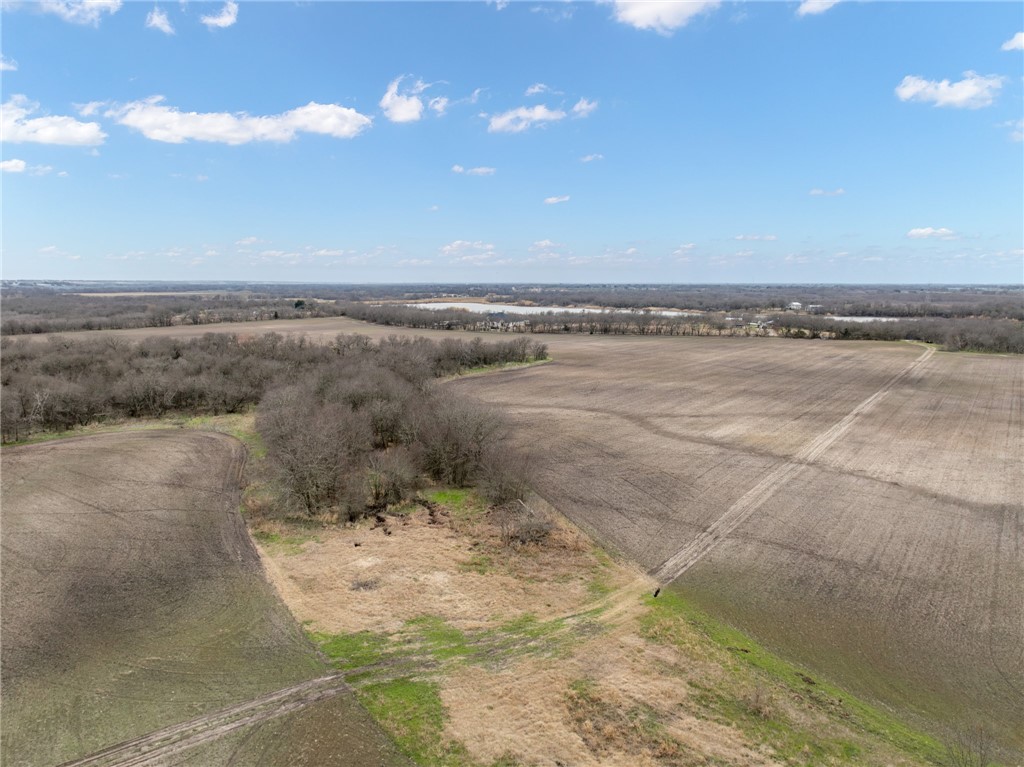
{"type": "Point", "coordinates": [862, 501]}
{"type": "Point", "coordinates": [858, 507]}
{"type": "Point", "coordinates": [135, 612]}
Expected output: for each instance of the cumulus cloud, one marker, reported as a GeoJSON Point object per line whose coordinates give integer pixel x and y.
{"type": "Point", "coordinates": [439, 104]}
{"type": "Point", "coordinates": [682, 253]}
{"type": "Point", "coordinates": [7, 65]}
{"type": "Point", "coordinates": [764, 237]}
{"type": "Point", "coordinates": [470, 252]}
{"type": "Point", "coordinates": [583, 108]}
{"type": "Point", "coordinates": [928, 232]}
{"type": "Point", "coordinates": [80, 11]}
{"type": "Point", "coordinates": [538, 88]}
{"type": "Point", "coordinates": [556, 200]}
{"type": "Point", "coordinates": [163, 123]}
{"type": "Point", "coordinates": [404, 107]}
{"type": "Point", "coordinates": [591, 157]}
{"type": "Point", "coordinates": [251, 240]}
{"type": "Point", "coordinates": [661, 16]}
{"type": "Point", "coordinates": [814, 7]}
{"type": "Point", "coordinates": [157, 19]}
{"type": "Point", "coordinates": [973, 92]}
{"type": "Point", "coordinates": [827, 192]}
{"type": "Point", "coordinates": [227, 17]}
{"type": "Point", "coordinates": [1015, 43]}
{"type": "Point", "coordinates": [16, 126]}
{"type": "Point", "coordinates": [480, 171]}
{"type": "Point", "coordinates": [519, 119]}
{"type": "Point", "coordinates": [13, 166]}
{"type": "Point", "coordinates": [1016, 129]}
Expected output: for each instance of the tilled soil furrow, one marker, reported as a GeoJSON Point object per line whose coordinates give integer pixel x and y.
{"type": "Point", "coordinates": [753, 499]}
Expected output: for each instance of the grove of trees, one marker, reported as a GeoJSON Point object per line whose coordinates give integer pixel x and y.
{"type": "Point", "coordinates": [350, 425]}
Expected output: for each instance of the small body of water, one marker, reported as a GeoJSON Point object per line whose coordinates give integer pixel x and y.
{"type": "Point", "coordinates": [483, 308]}
{"type": "Point", "coordinates": [869, 319]}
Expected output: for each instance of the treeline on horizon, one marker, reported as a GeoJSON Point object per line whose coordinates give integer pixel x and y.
{"type": "Point", "coordinates": [974, 334]}
{"type": "Point", "coordinates": [350, 426]}
{"type": "Point", "coordinates": [969, 318]}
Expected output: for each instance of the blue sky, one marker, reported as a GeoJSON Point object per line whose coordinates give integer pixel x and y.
{"type": "Point", "coordinates": [513, 141]}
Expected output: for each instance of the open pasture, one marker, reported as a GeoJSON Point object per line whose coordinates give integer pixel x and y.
{"type": "Point", "coordinates": [134, 601]}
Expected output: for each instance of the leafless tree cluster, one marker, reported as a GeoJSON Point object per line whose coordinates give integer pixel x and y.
{"type": "Point", "coordinates": [350, 426]}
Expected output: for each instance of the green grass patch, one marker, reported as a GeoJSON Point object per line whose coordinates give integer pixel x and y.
{"type": "Point", "coordinates": [241, 426]}
{"type": "Point", "coordinates": [462, 503]}
{"type": "Point", "coordinates": [412, 711]}
{"type": "Point", "coordinates": [290, 545]}
{"type": "Point", "coordinates": [439, 638]}
{"type": "Point", "coordinates": [480, 564]}
{"type": "Point", "coordinates": [752, 665]}
{"type": "Point", "coordinates": [481, 369]}
{"type": "Point", "coordinates": [351, 651]}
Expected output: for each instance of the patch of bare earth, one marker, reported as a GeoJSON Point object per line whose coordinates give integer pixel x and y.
{"type": "Point", "coordinates": [608, 697]}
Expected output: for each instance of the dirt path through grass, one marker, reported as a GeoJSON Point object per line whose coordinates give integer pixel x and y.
{"type": "Point", "coordinates": [753, 499]}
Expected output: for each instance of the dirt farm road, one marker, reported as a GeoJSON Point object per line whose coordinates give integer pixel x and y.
{"type": "Point", "coordinates": [155, 747]}
{"type": "Point", "coordinates": [754, 498]}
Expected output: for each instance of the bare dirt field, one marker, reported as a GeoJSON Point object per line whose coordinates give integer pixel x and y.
{"type": "Point", "coordinates": [133, 600]}
{"type": "Point", "coordinates": [862, 503]}
{"type": "Point", "coordinates": [882, 548]}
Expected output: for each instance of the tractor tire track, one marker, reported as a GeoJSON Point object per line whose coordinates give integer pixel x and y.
{"type": "Point", "coordinates": [753, 499]}
{"type": "Point", "coordinates": [156, 746]}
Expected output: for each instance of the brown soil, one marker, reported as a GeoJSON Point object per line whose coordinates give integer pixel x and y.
{"type": "Point", "coordinates": [133, 598]}
{"type": "Point", "coordinates": [890, 562]}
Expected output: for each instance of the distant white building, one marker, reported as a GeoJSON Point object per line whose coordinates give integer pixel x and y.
{"type": "Point", "coordinates": [796, 306]}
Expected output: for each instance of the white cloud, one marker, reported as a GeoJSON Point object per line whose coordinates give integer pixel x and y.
{"type": "Point", "coordinates": [1016, 129]}
{"type": "Point", "coordinates": [682, 253]}
{"type": "Point", "coordinates": [7, 65]}
{"type": "Point", "coordinates": [591, 157]}
{"type": "Point", "coordinates": [661, 16]}
{"type": "Point", "coordinates": [583, 108]}
{"type": "Point", "coordinates": [467, 252]}
{"type": "Point", "coordinates": [518, 120]}
{"type": "Point", "coordinates": [814, 7]}
{"type": "Point", "coordinates": [13, 166]}
{"type": "Point", "coordinates": [88, 110]}
{"type": "Point", "coordinates": [827, 192]}
{"type": "Point", "coordinates": [973, 92]}
{"type": "Point", "coordinates": [403, 107]}
{"type": "Point", "coordinates": [1015, 43]}
{"type": "Point", "coordinates": [415, 262]}
{"type": "Point", "coordinates": [765, 237]}
{"type": "Point", "coordinates": [52, 129]}
{"type": "Point", "coordinates": [251, 240]}
{"type": "Point", "coordinates": [556, 200]}
{"type": "Point", "coordinates": [162, 123]}
{"type": "Point", "coordinates": [928, 232]}
{"type": "Point", "coordinates": [227, 17]}
{"type": "Point", "coordinates": [439, 104]}
{"type": "Point", "coordinates": [536, 88]}
{"type": "Point", "coordinates": [80, 11]}
{"type": "Point", "coordinates": [157, 19]}
{"type": "Point", "coordinates": [480, 171]}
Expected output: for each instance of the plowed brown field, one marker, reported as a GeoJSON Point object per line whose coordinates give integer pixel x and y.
{"type": "Point", "coordinates": [864, 503]}
{"type": "Point", "coordinates": [133, 599]}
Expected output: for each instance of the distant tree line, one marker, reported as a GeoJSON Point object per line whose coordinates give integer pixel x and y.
{"type": "Point", "coordinates": [37, 312]}
{"type": "Point", "coordinates": [350, 425]}
{"type": "Point", "coordinates": [968, 334]}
